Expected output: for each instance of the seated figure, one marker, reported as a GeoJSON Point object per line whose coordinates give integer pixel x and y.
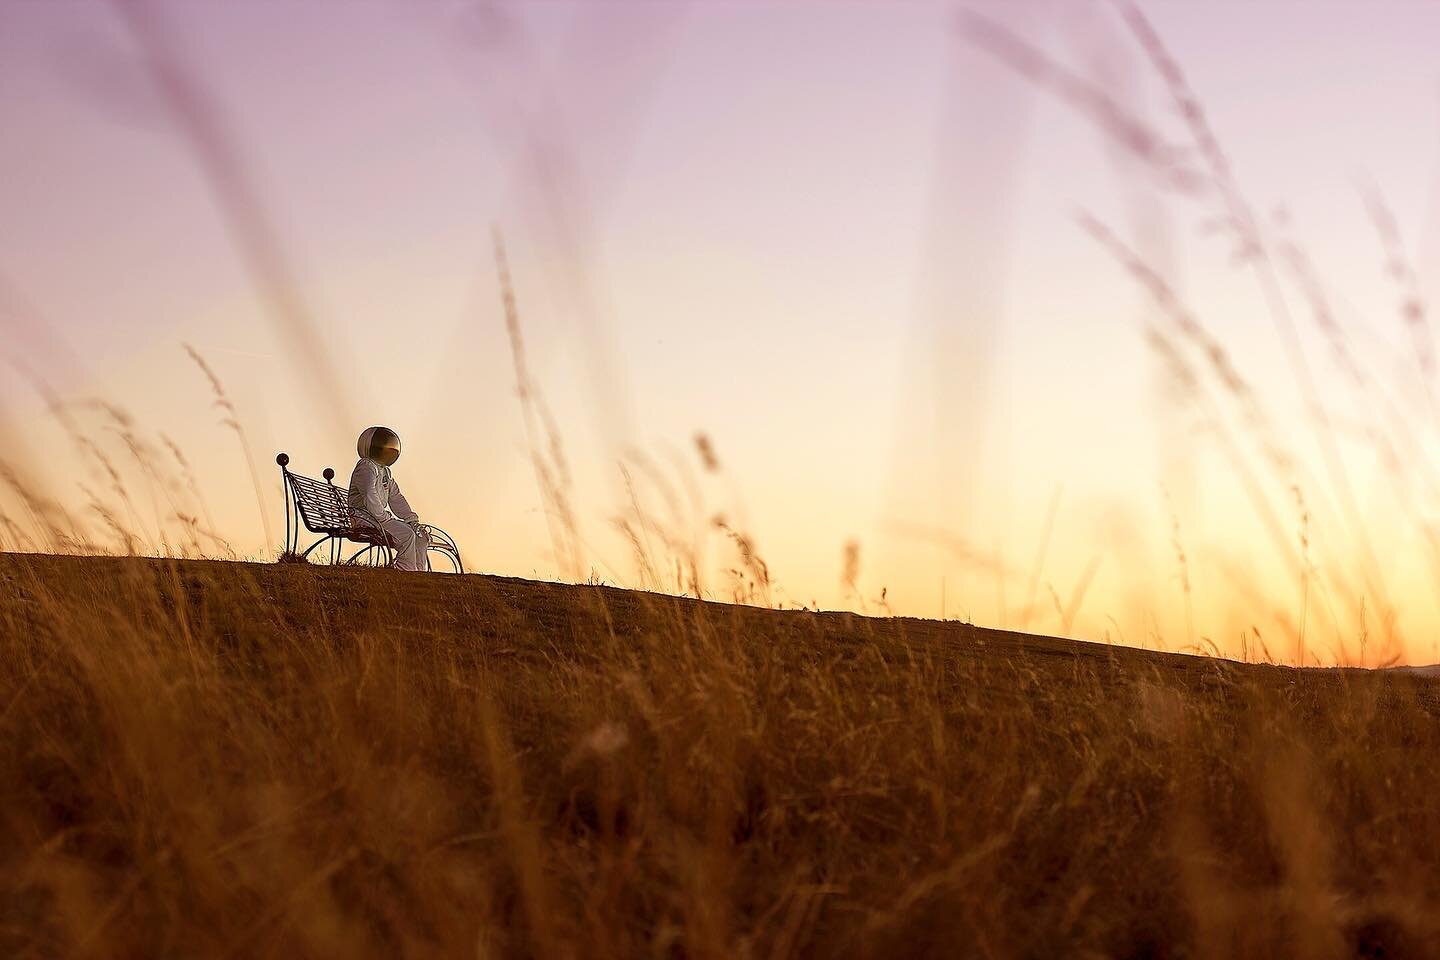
{"type": "Point", "coordinates": [376, 500]}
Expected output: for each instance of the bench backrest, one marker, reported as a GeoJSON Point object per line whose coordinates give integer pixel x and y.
{"type": "Point", "coordinates": [323, 507]}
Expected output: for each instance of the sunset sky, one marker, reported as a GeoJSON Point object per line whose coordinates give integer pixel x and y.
{"type": "Point", "coordinates": [840, 240]}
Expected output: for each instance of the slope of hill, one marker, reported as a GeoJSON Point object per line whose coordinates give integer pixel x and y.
{"type": "Point", "coordinates": [219, 759]}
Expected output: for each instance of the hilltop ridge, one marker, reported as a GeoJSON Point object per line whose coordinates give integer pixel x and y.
{"type": "Point", "coordinates": [546, 612]}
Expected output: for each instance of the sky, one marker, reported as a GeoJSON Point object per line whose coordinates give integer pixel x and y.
{"type": "Point", "coordinates": [843, 242]}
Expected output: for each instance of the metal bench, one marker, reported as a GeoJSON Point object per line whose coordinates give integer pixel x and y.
{"type": "Point", "coordinates": [324, 509]}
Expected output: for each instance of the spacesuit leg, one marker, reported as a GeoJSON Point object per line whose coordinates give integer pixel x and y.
{"type": "Point", "coordinates": [405, 540]}
{"type": "Point", "coordinates": [422, 550]}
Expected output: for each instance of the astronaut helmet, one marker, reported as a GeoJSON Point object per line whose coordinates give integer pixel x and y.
{"type": "Point", "coordinates": [380, 444]}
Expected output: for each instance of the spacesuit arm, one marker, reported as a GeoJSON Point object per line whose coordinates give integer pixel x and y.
{"type": "Point", "coordinates": [399, 505]}
{"type": "Point", "coordinates": [366, 491]}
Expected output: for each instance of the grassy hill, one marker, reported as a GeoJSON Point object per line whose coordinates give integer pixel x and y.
{"type": "Point", "coordinates": [220, 759]}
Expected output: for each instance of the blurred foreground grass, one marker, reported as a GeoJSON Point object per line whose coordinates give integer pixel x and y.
{"type": "Point", "coordinates": [221, 759]}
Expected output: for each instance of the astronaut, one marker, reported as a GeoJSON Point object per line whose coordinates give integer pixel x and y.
{"type": "Point", "coordinates": [376, 500]}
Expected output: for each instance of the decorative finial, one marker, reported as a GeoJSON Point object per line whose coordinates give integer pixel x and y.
{"type": "Point", "coordinates": [283, 459]}
{"type": "Point", "coordinates": [328, 474]}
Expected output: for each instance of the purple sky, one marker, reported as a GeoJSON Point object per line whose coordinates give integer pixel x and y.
{"type": "Point", "coordinates": [836, 237]}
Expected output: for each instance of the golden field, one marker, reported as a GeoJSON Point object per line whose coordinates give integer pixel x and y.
{"type": "Point", "coordinates": [211, 759]}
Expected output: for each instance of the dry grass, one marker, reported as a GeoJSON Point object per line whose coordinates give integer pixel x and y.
{"type": "Point", "coordinates": [219, 759]}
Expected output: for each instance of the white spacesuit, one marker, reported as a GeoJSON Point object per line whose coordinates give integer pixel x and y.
{"type": "Point", "coordinates": [376, 500]}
